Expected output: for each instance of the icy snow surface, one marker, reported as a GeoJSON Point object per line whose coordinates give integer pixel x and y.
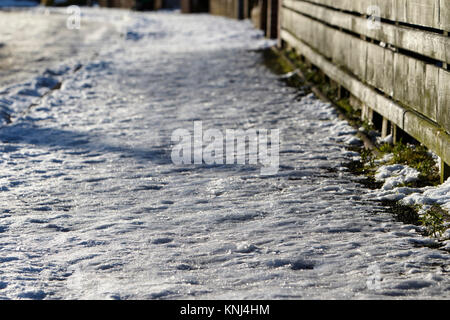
{"type": "Point", "coordinates": [92, 206]}
{"type": "Point", "coordinates": [33, 41]}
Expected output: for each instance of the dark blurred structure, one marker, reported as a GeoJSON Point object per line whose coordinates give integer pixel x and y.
{"type": "Point", "coordinates": [194, 6]}
{"type": "Point", "coordinates": [140, 5]}
{"type": "Point", "coordinates": [171, 4]}
{"type": "Point", "coordinates": [18, 3]}
{"type": "Point", "coordinates": [229, 8]}
{"type": "Point", "coordinates": [263, 13]}
{"type": "Point", "coordinates": [60, 3]}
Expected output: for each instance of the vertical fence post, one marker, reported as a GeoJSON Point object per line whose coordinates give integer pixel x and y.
{"type": "Point", "coordinates": [367, 114]}
{"type": "Point", "coordinates": [395, 134]}
{"type": "Point", "coordinates": [280, 17]}
{"type": "Point", "coordinates": [384, 128]}
{"type": "Point", "coordinates": [246, 9]}
{"type": "Point", "coordinates": [272, 19]}
{"type": "Point", "coordinates": [264, 16]}
{"type": "Point", "coordinates": [445, 171]}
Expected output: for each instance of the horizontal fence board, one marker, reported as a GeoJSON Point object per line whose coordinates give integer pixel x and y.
{"type": "Point", "coordinates": [427, 13]}
{"type": "Point", "coordinates": [426, 43]}
{"type": "Point", "coordinates": [379, 103]}
{"type": "Point", "coordinates": [402, 77]}
{"type": "Point", "coordinates": [417, 126]}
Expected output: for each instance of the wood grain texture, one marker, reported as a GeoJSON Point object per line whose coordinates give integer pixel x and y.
{"type": "Point", "coordinates": [424, 130]}
{"type": "Point", "coordinates": [427, 13]}
{"type": "Point", "coordinates": [426, 43]}
{"type": "Point", "coordinates": [410, 81]}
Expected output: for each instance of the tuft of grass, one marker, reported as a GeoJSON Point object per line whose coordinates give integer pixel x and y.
{"type": "Point", "coordinates": [275, 62]}
{"type": "Point", "coordinates": [404, 213]}
{"type": "Point", "coordinates": [368, 127]}
{"type": "Point", "coordinates": [278, 65]}
{"type": "Point", "coordinates": [364, 167]}
{"type": "Point", "coordinates": [433, 221]}
{"type": "Point", "coordinates": [345, 106]}
{"type": "Point", "coordinates": [417, 157]}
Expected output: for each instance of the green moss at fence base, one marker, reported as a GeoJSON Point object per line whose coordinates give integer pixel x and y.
{"type": "Point", "coordinates": [417, 157]}
{"type": "Point", "coordinates": [414, 155]}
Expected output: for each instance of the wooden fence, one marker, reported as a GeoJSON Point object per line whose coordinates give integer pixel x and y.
{"type": "Point", "coordinates": [194, 6]}
{"type": "Point", "coordinates": [129, 4]}
{"type": "Point", "coordinates": [228, 8]}
{"type": "Point", "coordinates": [391, 55]}
{"type": "Point", "coordinates": [263, 13]}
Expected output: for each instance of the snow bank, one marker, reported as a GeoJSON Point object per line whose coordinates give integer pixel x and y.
{"type": "Point", "coordinates": [395, 175]}
{"type": "Point", "coordinates": [431, 195]}
{"type": "Point", "coordinates": [15, 99]}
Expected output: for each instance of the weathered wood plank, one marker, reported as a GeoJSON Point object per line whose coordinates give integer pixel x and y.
{"type": "Point", "coordinates": [380, 68]}
{"type": "Point", "coordinates": [227, 8]}
{"type": "Point", "coordinates": [445, 15]}
{"type": "Point", "coordinates": [401, 77]}
{"type": "Point", "coordinates": [385, 128]}
{"type": "Point", "coordinates": [430, 98]}
{"type": "Point", "coordinates": [421, 12]}
{"type": "Point", "coordinates": [358, 58]}
{"type": "Point", "coordinates": [416, 12]}
{"type": "Point", "coordinates": [386, 79]}
{"type": "Point", "coordinates": [364, 93]}
{"type": "Point", "coordinates": [400, 66]}
{"type": "Point", "coordinates": [420, 128]}
{"type": "Point", "coordinates": [429, 44]}
{"type": "Point", "coordinates": [444, 100]}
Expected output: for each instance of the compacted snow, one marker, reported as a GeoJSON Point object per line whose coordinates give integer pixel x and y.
{"type": "Point", "coordinates": [93, 207]}
{"type": "Point", "coordinates": [33, 40]}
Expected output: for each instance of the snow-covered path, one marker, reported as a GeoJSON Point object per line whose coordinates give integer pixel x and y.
{"type": "Point", "coordinates": [93, 207]}
{"type": "Point", "coordinates": [33, 40]}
